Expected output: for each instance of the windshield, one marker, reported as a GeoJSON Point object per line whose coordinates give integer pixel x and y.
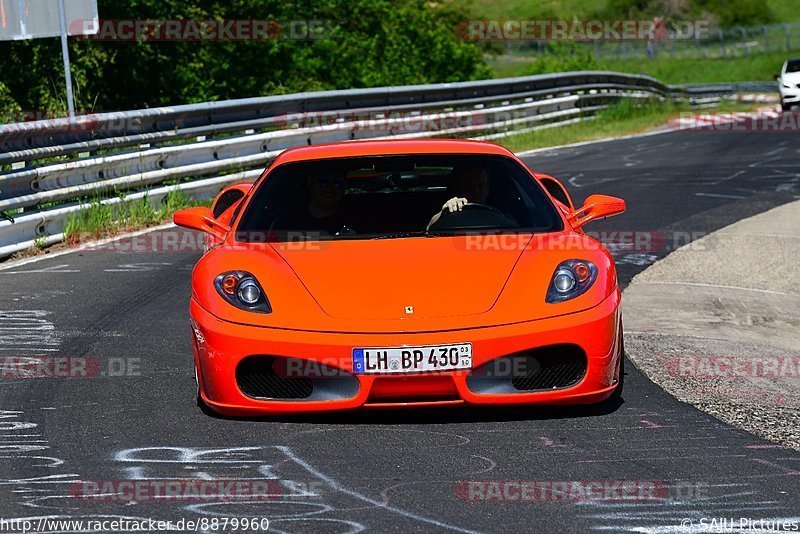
{"type": "Point", "coordinates": [793, 65]}
{"type": "Point", "coordinates": [396, 196]}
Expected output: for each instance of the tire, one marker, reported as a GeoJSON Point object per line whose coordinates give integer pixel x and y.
{"type": "Point", "coordinates": [786, 107]}
{"type": "Point", "coordinates": [198, 398]}
{"type": "Point", "coordinates": [617, 393]}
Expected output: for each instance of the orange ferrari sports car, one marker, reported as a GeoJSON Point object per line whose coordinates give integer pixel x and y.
{"type": "Point", "coordinates": [402, 273]}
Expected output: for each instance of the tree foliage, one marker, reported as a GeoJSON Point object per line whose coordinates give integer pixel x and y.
{"type": "Point", "coordinates": [366, 43]}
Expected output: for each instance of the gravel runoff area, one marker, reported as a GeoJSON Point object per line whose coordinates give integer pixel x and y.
{"type": "Point", "coordinates": [717, 324]}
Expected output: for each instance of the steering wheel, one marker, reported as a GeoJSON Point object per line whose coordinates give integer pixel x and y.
{"type": "Point", "coordinates": [475, 206]}
{"type": "Point", "coordinates": [474, 216]}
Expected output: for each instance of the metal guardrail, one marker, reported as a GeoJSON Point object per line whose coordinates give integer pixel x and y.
{"type": "Point", "coordinates": [736, 87]}
{"type": "Point", "coordinates": [55, 165]}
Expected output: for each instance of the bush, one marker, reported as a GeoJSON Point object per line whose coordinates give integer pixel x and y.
{"type": "Point", "coordinates": [7, 104]}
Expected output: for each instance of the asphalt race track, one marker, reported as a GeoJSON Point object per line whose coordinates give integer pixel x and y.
{"type": "Point", "coordinates": [401, 470]}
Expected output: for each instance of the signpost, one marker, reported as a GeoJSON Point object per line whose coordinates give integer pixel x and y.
{"type": "Point", "coordinates": [34, 19]}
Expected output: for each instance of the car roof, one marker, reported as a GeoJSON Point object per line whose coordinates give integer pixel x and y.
{"type": "Point", "coordinates": [389, 147]}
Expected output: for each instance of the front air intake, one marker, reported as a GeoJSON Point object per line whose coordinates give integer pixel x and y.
{"type": "Point", "coordinates": [258, 378]}
{"type": "Point", "coordinates": [293, 379]}
{"type": "Point", "coordinates": [548, 371]}
{"type": "Point", "coordinates": [540, 369]}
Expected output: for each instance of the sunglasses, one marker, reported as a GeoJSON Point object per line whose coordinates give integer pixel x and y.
{"type": "Point", "coordinates": [335, 183]}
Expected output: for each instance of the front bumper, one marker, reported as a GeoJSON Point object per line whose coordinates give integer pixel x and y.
{"type": "Point", "coordinates": [220, 346]}
{"type": "Point", "coordinates": [790, 95]}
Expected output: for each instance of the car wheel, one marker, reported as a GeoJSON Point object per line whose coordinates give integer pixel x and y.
{"type": "Point", "coordinates": [617, 393]}
{"type": "Point", "coordinates": [786, 107]}
{"type": "Point", "coordinates": [204, 408]}
{"type": "Point", "coordinates": [198, 397]}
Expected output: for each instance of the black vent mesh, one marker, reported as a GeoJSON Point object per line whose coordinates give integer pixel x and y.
{"type": "Point", "coordinates": [555, 370]}
{"type": "Point", "coordinates": [226, 200]}
{"type": "Point", "coordinates": [257, 379]}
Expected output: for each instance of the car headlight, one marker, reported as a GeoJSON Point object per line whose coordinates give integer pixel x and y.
{"type": "Point", "coordinates": [571, 278]}
{"type": "Point", "coordinates": [786, 85]}
{"type": "Point", "coordinates": [242, 290]}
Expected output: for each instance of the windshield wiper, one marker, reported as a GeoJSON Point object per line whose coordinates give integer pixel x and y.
{"type": "Point", "coordinates": [426, 233]}
{"type": "Point", "coordinates": [400, 235]}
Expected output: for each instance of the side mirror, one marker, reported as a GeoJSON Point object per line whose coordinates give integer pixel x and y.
{"type": "Point", "coordinates": [200, 218]}
{"type": "Point", "coordinates": [597, 207]}
{"type": "Point", "coordinates": [228, 197]}
{"type": "Point", "coordinates": [557, 190]}
{"type": "Point", "coordinates": [778, 76]}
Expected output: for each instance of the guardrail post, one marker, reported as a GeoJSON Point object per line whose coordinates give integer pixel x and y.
{"type": "Point", "coordinates": [744, 41]}
{"type": "Point", "coordinates": [699, 45]}
{"type": "Point", "coordinates": [788, 37]}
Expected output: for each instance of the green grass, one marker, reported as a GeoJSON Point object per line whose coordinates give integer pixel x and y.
{"type": "Point", "coordinates": [532, 9]}
{"type": "Point", "coordinates": [98, 219]}
{"type": "Point", "coordinates": [623, 118]}
{"type": "Point", "coordinates": [759, 68]}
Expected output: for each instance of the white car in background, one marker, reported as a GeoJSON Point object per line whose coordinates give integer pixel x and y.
{"type": "Point", "coordinates": [789, 83]}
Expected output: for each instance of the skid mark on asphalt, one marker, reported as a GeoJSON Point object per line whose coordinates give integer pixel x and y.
{"type": "Point", "coordinates": [47, 482]}
{"type": "Point", "coordinates": [27, 331]}
{"type": "Point", "coordinates": [308, 500]}
{"type": "Point", "coordinates": [41, 483]}
{"type": "Point", "coordinates": [777, 467]}
{"type": "Point", "coordinates": [491, 465]}
{"type": "Point", "coordinates": [21, 444]}
{"type": "Point", "coordinates": [299, 503]}
{"type": "Point", "coordinates": [650, 424]}
{"type": "Point", "coordinates": [55, 269]}
{"type": "Point", "coordinates": [687, 502]}
{"type": "Point", "coordinates": [138, 267]}
{"type": "Point", "coordinates": [463, 440]}
{"type": "Point", "coordinates": [720, 195]}
{"type": "Point", "coordinates": [558, 442]}
{"type": "Point", "coordinates": [638, 259]}
{"type": "Point", "coordinates": [342, 489]}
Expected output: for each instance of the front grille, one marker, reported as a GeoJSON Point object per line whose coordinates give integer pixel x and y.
{"type": "Point", "coordinates": [257, 378]}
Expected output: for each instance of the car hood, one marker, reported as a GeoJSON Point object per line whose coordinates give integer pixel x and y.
{"type": "Point", "coordinates": [449, 283]}
{"type": "Point", "coordinates": [791, 77]}
{"type": "Point", "coordinates": [397, 278]}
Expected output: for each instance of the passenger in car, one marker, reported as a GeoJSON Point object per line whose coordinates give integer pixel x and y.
{"type": "Point", "coordinates": [323, 213]}
{"type": "Point", "coordinates": [468, 185]}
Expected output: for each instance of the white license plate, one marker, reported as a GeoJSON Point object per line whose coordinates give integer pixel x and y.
{"type": "Point", "coordinates": [412, 359]}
